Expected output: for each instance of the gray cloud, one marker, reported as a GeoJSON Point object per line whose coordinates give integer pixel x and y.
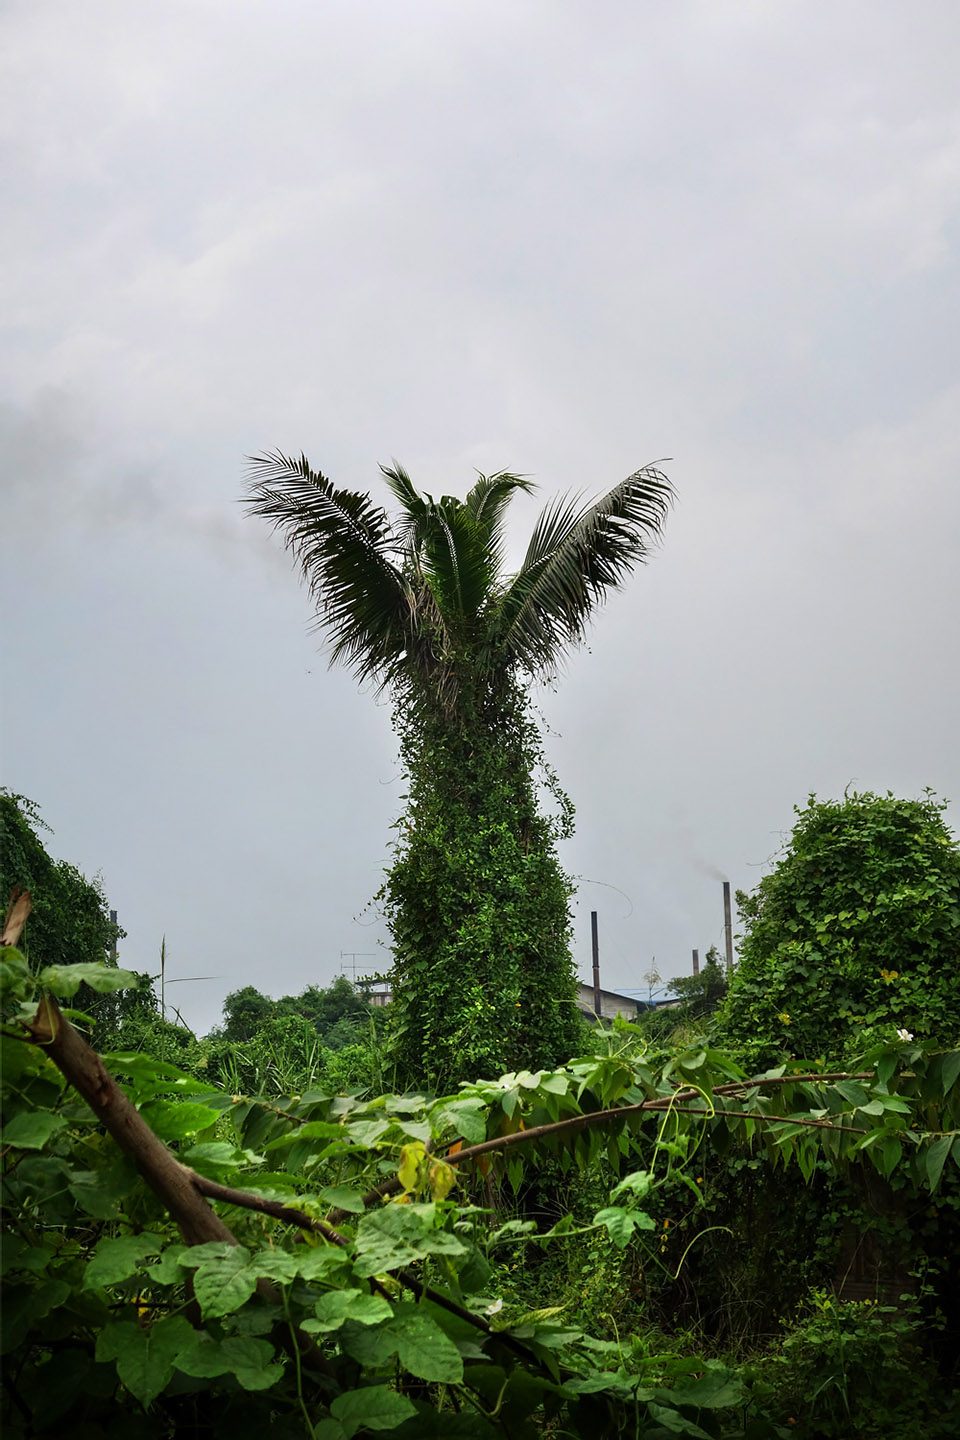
{"type": "Point", "coordinates": [569, 240]}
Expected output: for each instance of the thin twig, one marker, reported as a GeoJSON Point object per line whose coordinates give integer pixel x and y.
{"type": "Point", "coordinates": [290, 1215]}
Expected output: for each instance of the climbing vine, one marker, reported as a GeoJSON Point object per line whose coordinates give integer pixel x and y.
{"type": "Point", "coordinates": [475, 897]}
{"type": "Point", "coordinates": [855, 932]}
{"type": "Point", "coordinates": [184, 1260]}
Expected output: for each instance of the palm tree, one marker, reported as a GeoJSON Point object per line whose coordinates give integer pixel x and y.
{"type": "Point", "coordinates": [421, 604]}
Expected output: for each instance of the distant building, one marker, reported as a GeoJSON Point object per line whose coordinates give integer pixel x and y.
{"type": "Point", "coordinates": [612, 1003]}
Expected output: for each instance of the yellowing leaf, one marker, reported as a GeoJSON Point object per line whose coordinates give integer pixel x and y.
{"type": "Point", "coordinates": [441, 1177]}
{"type": "Point", "coordinates": [412, 1158]}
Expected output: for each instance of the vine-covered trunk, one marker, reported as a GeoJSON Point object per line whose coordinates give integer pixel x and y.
{"type": "Point", "coordinates": [476, 899]}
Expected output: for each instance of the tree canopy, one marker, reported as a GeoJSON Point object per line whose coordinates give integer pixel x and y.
{"type": "Point", "coordinates": [422, 603]}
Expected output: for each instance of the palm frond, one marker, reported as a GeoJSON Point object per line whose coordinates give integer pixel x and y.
{"type": "Point", "coordinates": [410, 523]}
{"type": "Point", "coordinates": [488, 501]}
{"type": "Point", "coordinates": [342, 544]}
{"type": "Point", "coordinates": [577, 554]}
{"type": "Point", "coordinates": [457, 563]}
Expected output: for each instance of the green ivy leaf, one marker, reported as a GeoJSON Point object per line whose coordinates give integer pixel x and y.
{"type": "Point", "coordinates": [226, 1275]}
{"type": "Point", "coordinates": [341, 1197]}
{"type": "Point", "coordinates": [375, 1407]}
{"type": "Point", "coordinates": [676, 1423]}
{"type": "Point", "coordinates": [31, 1129]}
{"type": "Point", "coordinates": [16, 982]}
{"type": "Point", "coordinates": [950, 1069]}
{"type": "Point", "coordinates": [467, 1118]}
{"type": "Point", "coordinates": [225, 1282]}
{"type": "Point", "coordinates": [333, 1310]}
{"type": "Point", "coordinates": [116, 1259]}
{"type": "Point", "coordinates": [66, 980]}
{"type": "Point", "coordinates": [638, 1184]}
{"type": "Point", "coordinates": [620, 1223]}
{"type": "Point", "coordinates": [935, 1158]}
{"type": "Point", "coordinates": [423, 1348]}
{"type": "Point", "coordinates": [146, 1359]}
{"type": "Point", "coordinates": [168, 1270]}
{"type": "Point", "coordinates": [248, 1359]}
{"type": "Point", "coordinates": [316, 1262]}
{"type": "Point", "coordinates": [175, 1119]}
{"type": "Point", "coordinates": [396, 1235]}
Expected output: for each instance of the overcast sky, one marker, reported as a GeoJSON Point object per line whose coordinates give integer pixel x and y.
{"type": "Point", "coordinates": [564, 238]}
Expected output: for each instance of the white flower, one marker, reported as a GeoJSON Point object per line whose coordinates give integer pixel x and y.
{"type": "Point", "coordinates": [904, 1035]}
{"type": "Point", "coordinates": [495, 1308]}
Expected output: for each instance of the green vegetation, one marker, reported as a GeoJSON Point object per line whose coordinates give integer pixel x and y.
{"type": "Point", "coordinates": [476, 900]}
{"type": "Point", "coordinates": [369, 1272]}
{"type": "Point", "coordinates": [252, 1232]}
{"type": "Point", "coordinates": [854, 933]}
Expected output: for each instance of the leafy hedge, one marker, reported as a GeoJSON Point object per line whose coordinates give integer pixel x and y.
{"type": "Point", "coordinates": [345, 1283]}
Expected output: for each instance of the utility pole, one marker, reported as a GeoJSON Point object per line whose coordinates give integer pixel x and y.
{"type": "Point", "coordinates": [596, 963]}
{"type": "Point", "coordinates": [727, 925]}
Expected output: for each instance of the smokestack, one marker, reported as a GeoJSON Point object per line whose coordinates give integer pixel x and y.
{"type": "Point", "coordinates": [696, 962]}
{"type": "Point", "coordinates": [727, 925]}
{"type": "Point", "coordinates": [596, 962]}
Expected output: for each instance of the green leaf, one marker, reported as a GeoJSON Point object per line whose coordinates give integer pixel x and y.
{"type": "Point", "coordinates": [176, 1119]}
{"type": "Point", "coordinates": [334, 1309]}
{"type": "Point", "coordinates": [638, 1184]}
{"type": "Point", "coordinates": [216, 1158]}
{"type": "Point", "coordinates": [873, 1107]}
{"type": "Point", "coordinates": [341, 1197]}
{"type": "Point", "coordinates": [31, 1129]}
{"type": "Point", "coordinates": [16, 981]}
{"type": "Point", "coordinates": [250, 1360]}
{"type": "Point", "coordinates": [316, 1262]}
{"type": "Point", "coordinates": [116, 1259]}
{"type": "Point", "coordinates": [329, 1430]}
{"type": "Point", "coordinates": [19, 1254]}
{"type": "Point", "coordinates": [714, 1390]}
{"type": "Point", "coordinates": [887, 1155]}
{"type": "Point", "coordinates": [373, 1408]}
{"type": "Point", "coordinates": [168, 1270]}
{"type": "Point", "coordinates": [412, 1335]}
{"type": "Point", "coordinates": [620, 1223]}
{"type": "Point", "coordinates": [852, 1092]}
{"type": "Point", "coordinates": [935, 1158]}
{"type": "Point", "coordinates": [224, 1283]}
{"type": "Point", "coordinates": [151, 1074]}
{"type": "Point", "coordinates": [467, 1118]}
{"type": "Point", "coordinates": [146, 1358]}
{"type": "Point", "coordinates": [423, 1348]}
{"type": "Point", "coordinates": [950, 1069]}
{"type": "Point", "coordinates": [227, 1275]}
{"type": "Point", "coordinates": [66, 980]}
{"type": "Point", "coordinates": [396, 1235]}
{"type": "Point", "coordinates": [676, 1423]}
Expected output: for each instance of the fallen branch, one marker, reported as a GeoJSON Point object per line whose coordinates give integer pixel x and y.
{"type": "Point", "coordinates": [171, 1181]}
{"type": "Point", "coordinates": [656, 1105]}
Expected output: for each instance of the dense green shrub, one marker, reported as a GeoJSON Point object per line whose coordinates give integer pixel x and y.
{"type": "Point", "coordinates": [477, 903]}
{"type": "Point", "coordinates": [854, 935]}
{"type": "Point", "coordinates": [70, 922]}
{"type": "Point", "coordinates": [858, 1369]}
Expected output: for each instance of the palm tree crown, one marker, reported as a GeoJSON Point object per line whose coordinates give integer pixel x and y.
{"type": "Point", "coordinates": [417, 595]}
